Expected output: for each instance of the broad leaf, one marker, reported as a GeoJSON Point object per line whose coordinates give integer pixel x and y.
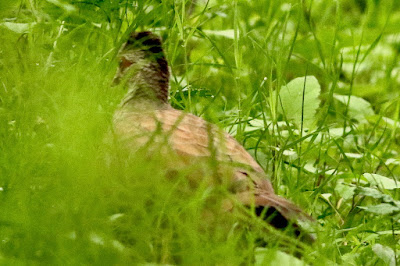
{"type": "Point", "coordinates": [18, 27]}
{"type": "Point", "coordinates": [344, 190]}
{"type": "Point", "coordinates": [266, 256]}
{"type": "Point", "coordinates": [67, 7]}
{"type": "Point", "coordinates": [359, 108]}
{"type": "Point", "coordinates": [382, 209]}
{"type": "Point", "coordinates": [385, 253]}
{"type": "Point", "coordinates": [381, 181]}
{"type": "Point", "coordinates": [376, 194]}
{"type": "Point", "coordinates": [299, 99]}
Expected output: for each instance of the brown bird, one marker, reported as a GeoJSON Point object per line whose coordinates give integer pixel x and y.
{"type": "Point", "coordinates": [145, 110]}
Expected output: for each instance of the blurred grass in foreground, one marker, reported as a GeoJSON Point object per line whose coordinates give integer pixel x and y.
{"type": "Point", "coordinates": [69, 197]}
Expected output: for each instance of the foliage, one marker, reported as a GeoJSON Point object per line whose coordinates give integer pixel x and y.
{"type": "Point", "coordinates": [67, 197]}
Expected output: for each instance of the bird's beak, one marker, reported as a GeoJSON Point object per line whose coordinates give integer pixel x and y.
{"type": "Point", "coordinates": [123, 68]}
{"type": "Point", "coordinates": [117, 78]}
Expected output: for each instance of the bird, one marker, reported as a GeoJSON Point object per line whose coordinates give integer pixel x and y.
{"type": "Point", "coordinates": [145, 110]}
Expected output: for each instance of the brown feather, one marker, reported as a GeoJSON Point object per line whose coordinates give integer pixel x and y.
{"type": "Point", "coordinates": [189, 136]}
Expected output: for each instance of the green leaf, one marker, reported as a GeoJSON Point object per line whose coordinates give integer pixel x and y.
{"type": "Point", "coordinates": [230, 34]}
{"type": "Point", "coordinates": [18, 27]}
{"type": "Point", "coordinates": [67, 7]}
{"type": "Point", "coordinates": [359, 108]}
{"type": "Point", "coordinates": [374, 193]}
{"type": "Point", "coordinates": [291, 100]}
{"type": "Point", "coordinates": [382, 209]}
{"type": "Point", "coordinates": [266, 256]}
{"type": "Point", "coordinates": [344, 190]}
{"type": "Point", "coordinates": [391, 123]}
{"type": "Point", "coordinates": [385, 253]}
{"type": "Point", "coordinates": [381, 181]}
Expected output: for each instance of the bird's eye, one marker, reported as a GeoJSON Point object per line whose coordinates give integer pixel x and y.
{"type": "Point", "coordinates": [124, 63]}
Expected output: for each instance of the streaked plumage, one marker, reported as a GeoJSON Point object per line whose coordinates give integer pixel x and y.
{"type": "Point", "coordinates": [145, 111]}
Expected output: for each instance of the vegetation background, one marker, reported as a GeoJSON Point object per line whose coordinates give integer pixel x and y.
{"type": "Point", "coordinates": [310, 88]}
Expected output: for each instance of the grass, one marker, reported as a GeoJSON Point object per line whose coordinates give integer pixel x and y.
{"type": "Point", "coordinates": [70, 197]}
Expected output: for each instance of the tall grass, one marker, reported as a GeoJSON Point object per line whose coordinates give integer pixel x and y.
{"type": "Point", "coordinates": [69, 196]}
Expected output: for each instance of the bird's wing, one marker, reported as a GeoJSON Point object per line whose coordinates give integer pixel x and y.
{"type": "Point", "coordinates": [192, 138]}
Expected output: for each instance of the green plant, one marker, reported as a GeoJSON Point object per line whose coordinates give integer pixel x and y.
{"type": "Point", "coordinates": [67, 196]}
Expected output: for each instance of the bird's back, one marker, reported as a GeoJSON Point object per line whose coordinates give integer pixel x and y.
{"type": "Point", "coordinates": [145, 119]}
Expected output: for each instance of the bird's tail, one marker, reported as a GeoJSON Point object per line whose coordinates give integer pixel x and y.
{"type": "Point", "coordinates": [263, 200]}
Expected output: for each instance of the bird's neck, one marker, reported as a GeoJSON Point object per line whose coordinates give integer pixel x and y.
{"type": "Point", "coordinates": [148, 88]}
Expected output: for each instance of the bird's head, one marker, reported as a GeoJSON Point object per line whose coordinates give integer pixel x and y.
{"type": "Point", "coordinates": [143, 67]}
